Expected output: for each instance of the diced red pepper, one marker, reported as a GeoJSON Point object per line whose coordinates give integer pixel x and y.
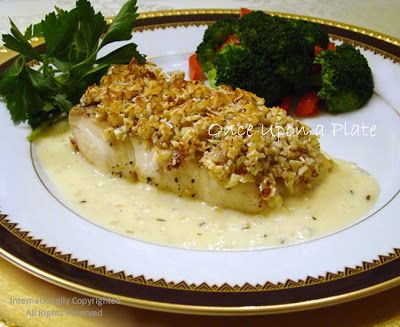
{"type": "Point", "coordinates": [195, 71]}
{"type": "Point", "coordinates": [231, 39]}
{"type": "Point", "coordinates": [331, 46]}
{"type": "Point", "coordinates": [307, 105]}
{"type": "Point", "coordinates": [317, 50]}
{"type": "Point", "coordinates": [244, 11]}
{"type": "Point", "coordinates": [286, 103]}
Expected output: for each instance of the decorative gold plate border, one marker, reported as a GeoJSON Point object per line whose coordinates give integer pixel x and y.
{"type": "Point", "coordinates": [6, 55]}
{"type": "Point", "coordinates": [203, 310]}
{"type": "Point", "coordinates": [183, 286]}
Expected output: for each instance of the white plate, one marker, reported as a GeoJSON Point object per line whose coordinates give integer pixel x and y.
{"type": "Point", "coordinates": [359, 260]}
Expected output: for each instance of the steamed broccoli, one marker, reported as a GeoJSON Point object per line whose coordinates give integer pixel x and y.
{"type": "Point", "coordinates": [213, 38]}
{"type": "Point", "coordinates": [347, 82]}
{"type": "Point", "coordinates": [312, 33]}
{"type": "Point", "coordinates": [271, 60]}
{"type": "Point", "coordinates": [268, 35]}
{"type": "Point", "coordinates": [273, 39]}
{"type": "Point", "coordinates": [273, 57]}
{"type": "Point", "coordinates": [295, 68]}
{"type": "Point", "coordinates": [237, 66]}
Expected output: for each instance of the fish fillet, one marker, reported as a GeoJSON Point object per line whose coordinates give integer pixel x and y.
{"type": "Point", "coordinates": [141, 124]}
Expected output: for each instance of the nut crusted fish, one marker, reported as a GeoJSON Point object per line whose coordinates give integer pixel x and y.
{"type": "Point", "coordinates": [221, 146]}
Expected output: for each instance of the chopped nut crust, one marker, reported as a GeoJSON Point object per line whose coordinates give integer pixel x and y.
{"type": "Point", "coordinates": [278, 153]}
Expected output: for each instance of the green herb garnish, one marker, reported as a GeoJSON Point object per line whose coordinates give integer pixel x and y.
{"type": "Point", "coordinates": [44, 94]}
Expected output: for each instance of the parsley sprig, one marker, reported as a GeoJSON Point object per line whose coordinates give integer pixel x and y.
{"type": "Point", "coordinates": [44, 94]}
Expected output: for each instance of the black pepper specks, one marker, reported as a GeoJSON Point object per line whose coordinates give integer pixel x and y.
{"type": "Point", "coordinates": [83, 201]}
{"type": "Point", "coordinates": [314, 218]}
{"type": "Point", "coordinates": [368, 197]}
{"type": "Point", "coordinates": [193, 180]}
{"type": "Point", "coordinates": [117, 173]}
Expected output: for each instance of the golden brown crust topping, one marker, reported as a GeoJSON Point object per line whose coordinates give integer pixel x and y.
{"type": "Point", "coordinates": [186, 120]}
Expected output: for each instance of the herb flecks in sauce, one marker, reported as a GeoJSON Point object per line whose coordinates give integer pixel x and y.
{"type": "Point", "coordinates": [331, 203]}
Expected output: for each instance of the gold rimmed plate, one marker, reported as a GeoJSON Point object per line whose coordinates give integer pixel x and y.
{"type": "Point", "coordinates": [41, 235]}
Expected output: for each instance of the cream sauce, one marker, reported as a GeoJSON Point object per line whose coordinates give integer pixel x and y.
{"type": "Point", "coordinates": [143, 212]}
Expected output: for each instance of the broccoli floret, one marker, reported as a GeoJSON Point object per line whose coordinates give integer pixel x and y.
{"type": "Point", "coordinates": [212, 78]}
{"type": "Point", "coordinates": [296, 69]}
{"type": "Point", "coordinates": [237, 66]}
{"type": "Point", "coordinates": [274, 42]}
{"type": "Point", "coordinates": [269, 36]}
{"type": "Point", "coordinates": [312, 33]}
{"type": "Point", "coordinates": [347, 82]}
{"type": "Point", "coordinates": [213, 38]}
